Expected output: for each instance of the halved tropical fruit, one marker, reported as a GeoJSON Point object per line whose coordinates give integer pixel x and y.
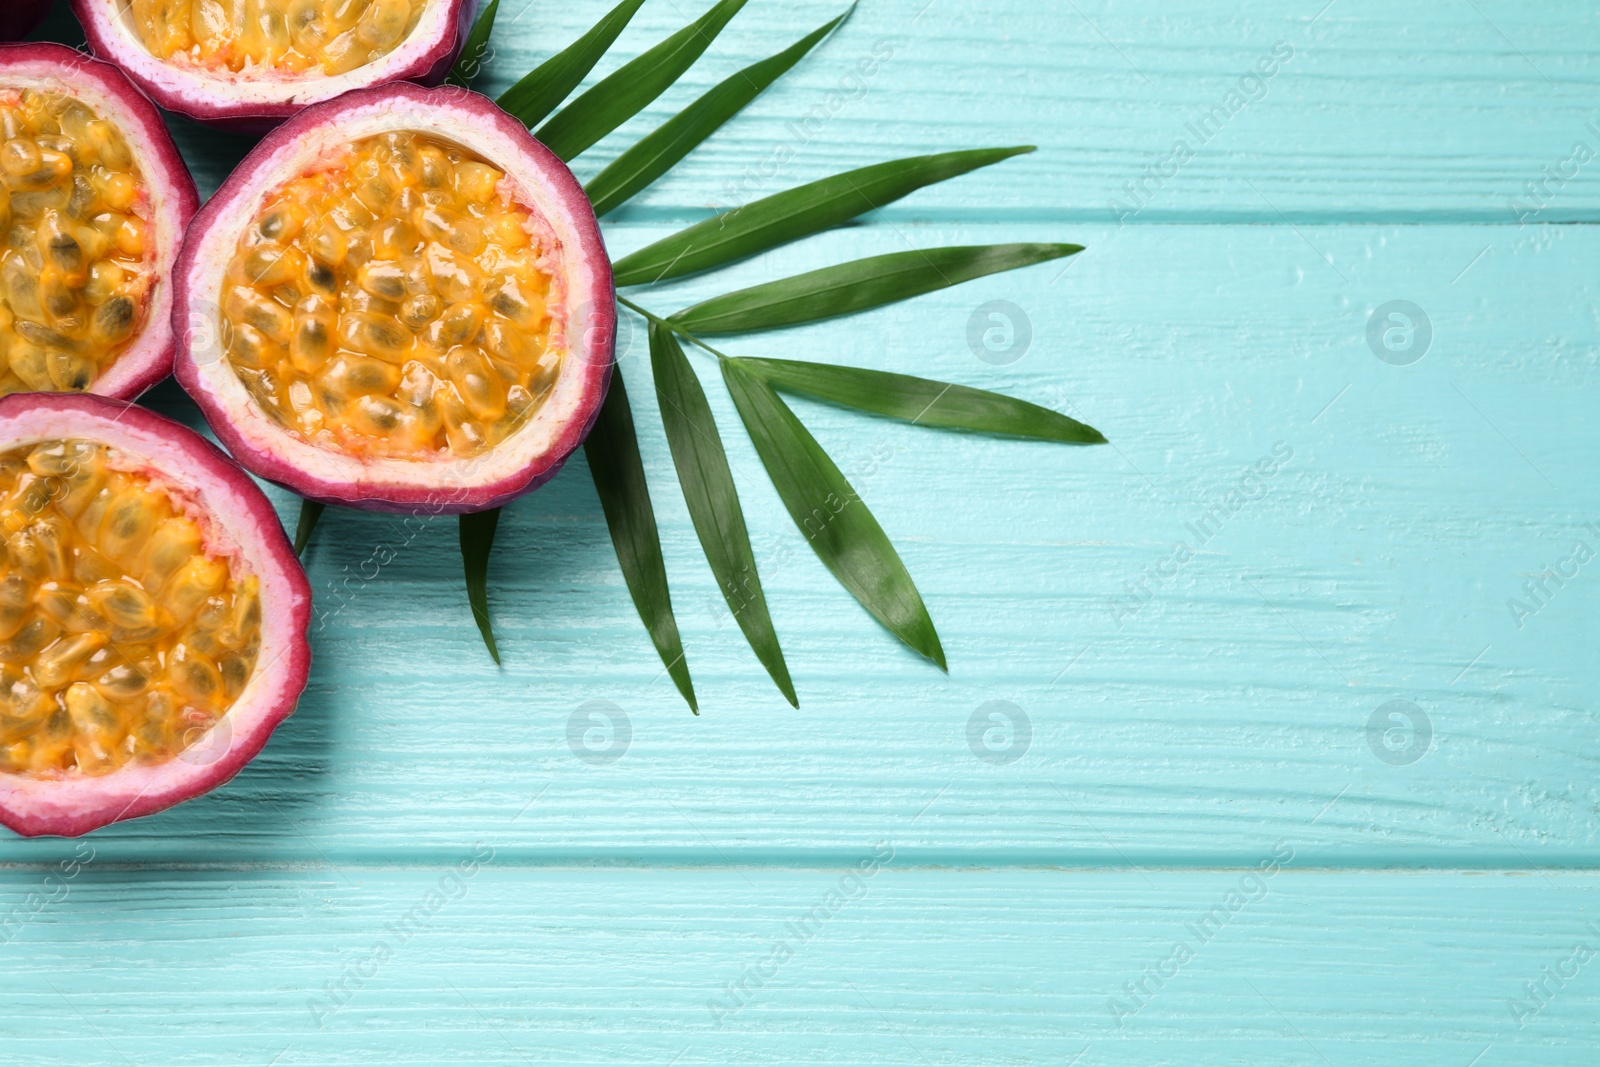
{"type": "Point", "coordinates": [94, 200]}
{"type": "Point", "coordinates": [398, 301]}
{"type": "Point", "coordinates": [152, 615]}
{"type": "Point", "coordinates": [19, 17]}
{"type": "Point", "coordinates": [250, 64]}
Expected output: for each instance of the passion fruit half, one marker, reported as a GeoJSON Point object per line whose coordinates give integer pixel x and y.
{"type": "Point", "coordinates": [152, 615]}
{"type": "Point", "coordinates": [250, 64]}
{"type": "Point", "coordinates": [94, 200]}
{"type": "Point", "coordinates": [399, 301]}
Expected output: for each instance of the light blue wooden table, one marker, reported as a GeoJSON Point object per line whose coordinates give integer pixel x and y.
{"type": "Point", "coordinates": [1216, 840]}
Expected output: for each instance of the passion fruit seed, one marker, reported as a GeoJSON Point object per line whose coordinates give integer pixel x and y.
{"type": "Point", "coordinates": [74, 274]}
{"type": "Point", "coordinates": [120, 640]}
{"type": "Point", "coordinates": [332, 36]}
{"type": "Point", "coordinates": [393, 303]}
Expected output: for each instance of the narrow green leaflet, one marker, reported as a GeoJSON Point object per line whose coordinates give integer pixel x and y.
{"type": "Point", "coordinates": [921, 401]}
{"type": "Point", "coordinates": [310, 512]}
{"type": "Point", "coordinates": [477, 538]}
{"type": "Point", "coordinates": [796, 213]}
{"type": "Point", "coordinates": [632, 86]}
{"type": "Point", "coordinates": [659, 151]}
{"type": "Point", "coordinates": [833, 518]}
{"type": "Point", "coordinates": [713, 501]}
{"type": "Point", "coordinates": [858, 286]}
{"type": "Point", "coordinates": [542, 91]}
{"type": "Point", "coordinates": [471, 58]}
{"type": "Point", "coordinates": [613, 452]}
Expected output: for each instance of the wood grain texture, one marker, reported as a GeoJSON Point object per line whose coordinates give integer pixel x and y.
{"type": "Point", "coordinates": [1204, 678]}
{"type": "Point", "coordinates": [1385, 112]}
{"type": "Point", "coordinates": [1228, 705]}
{"type": "Point", "coordinates": [1381, 113]}
{"type": "Point", "coordinates": [903, 967]}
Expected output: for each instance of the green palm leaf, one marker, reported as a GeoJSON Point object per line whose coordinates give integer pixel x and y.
{"type": "Point", "coordinates": [613, 452]}
{"type": "Point", "coordinates": [834, 519]}
{"type": "Point", "coordinates": [659, 151]}
{"type": "Point", "coordinates": [468, 63]}
{"type": "Point", "coordinates": [837, 524]}
{"type": "Point", "coordinates": [796, 213]}
{"type": "Point", "coordinates": [713, 501]}
{"type": "Point", "coordinates": [858, 286]}
{"type": "Point", "coordinates": [633, 86]}
{"type": "Point", "coordinates": [542, 90]}
{"type": "Point", "coordinates": [310, 512]}
{"type": "Point", "coordinates": [477, 540]}
{"type": "Point", "coordinates": [922, 401]}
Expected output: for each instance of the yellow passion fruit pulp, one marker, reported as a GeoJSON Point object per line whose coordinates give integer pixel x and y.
{"type": "Point", "coordinates": [326, 36]}
{"type": "Point", "coordinates": [74, 274]}
{"type": "Point", "coordinates": [122, 639]}
{"type": "Point", "coordinates": [394, 303]}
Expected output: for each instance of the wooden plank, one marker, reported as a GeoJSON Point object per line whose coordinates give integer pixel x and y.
{"type": "Point", "coordinates": [1382, 112]}
{"type": "Point", "coordinates": [510, 966]}
{"type": "Point", "coordinates": [1222, 712]}
{"type": "Point", "coordinates": [1224, 703]}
